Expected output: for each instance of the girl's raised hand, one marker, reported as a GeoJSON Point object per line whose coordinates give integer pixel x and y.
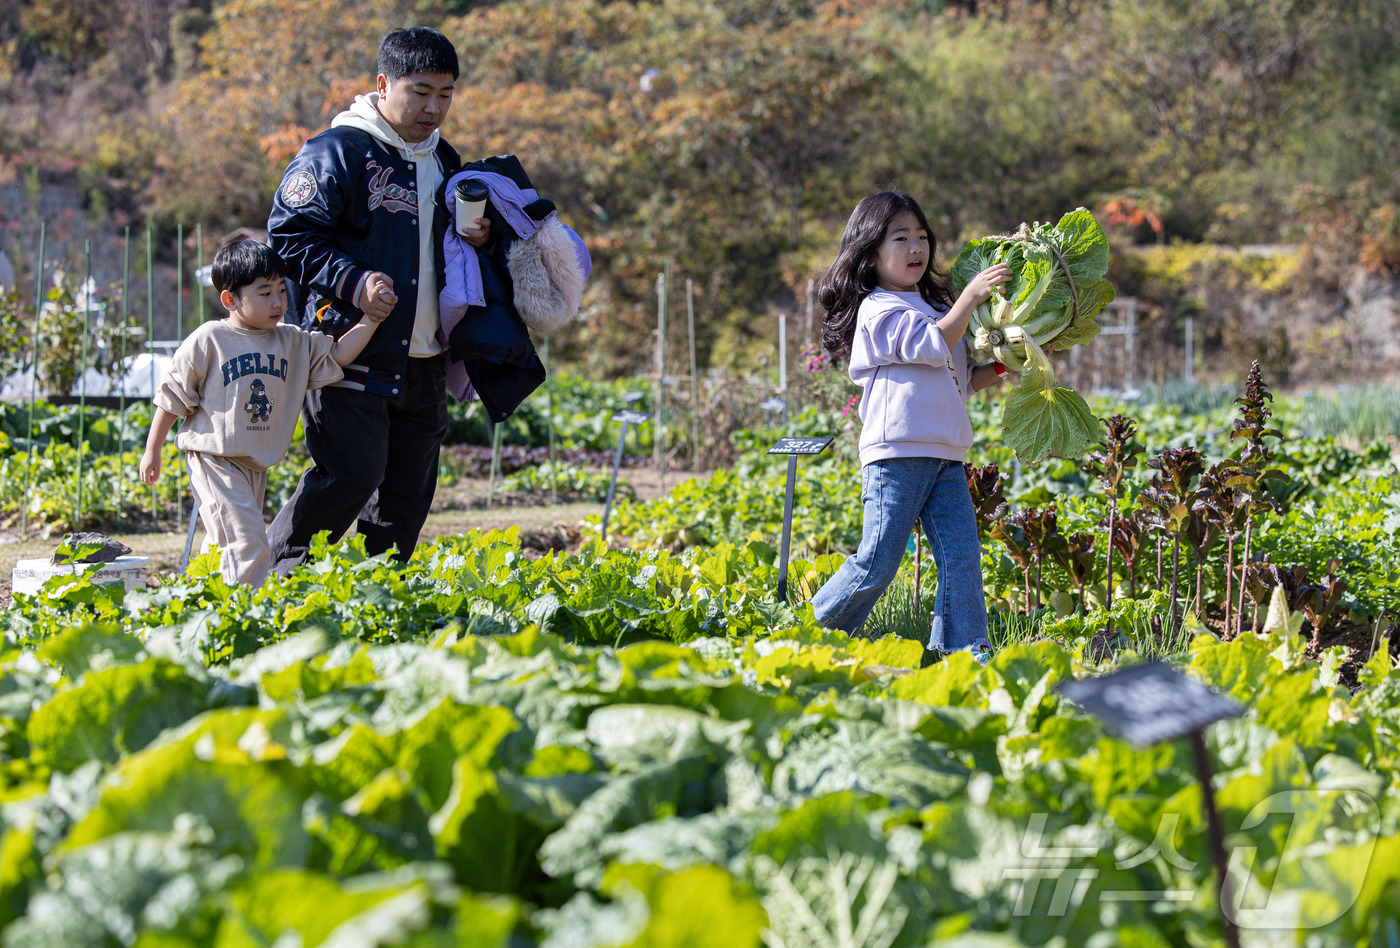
{"type": "Point", "coordinates": [981, 286]}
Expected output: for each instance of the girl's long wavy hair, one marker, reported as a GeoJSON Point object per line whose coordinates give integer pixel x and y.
{"type": "Point", "coordinates": [852, 277]}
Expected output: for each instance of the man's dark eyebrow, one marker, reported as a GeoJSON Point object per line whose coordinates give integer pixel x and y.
{"type": "Point", "coordinates": [420, 84]}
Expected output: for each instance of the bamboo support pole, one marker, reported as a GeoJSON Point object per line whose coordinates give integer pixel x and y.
{"type": "Point", "coordinates": [34, 376]}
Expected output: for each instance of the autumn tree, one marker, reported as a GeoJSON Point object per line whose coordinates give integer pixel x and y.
{"type": "Point", "coordinates": [687, 130]}
{"type": "Point", "coordinates": [1213, 89]}
{"type": "Point", "coordinates": [129, 40]}
{"type": "Point", "coordinates": [257, 94]}
{"type": "Point", "coordinates": [980, 123]}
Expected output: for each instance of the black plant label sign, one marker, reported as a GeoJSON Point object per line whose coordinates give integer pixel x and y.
{"type": "Point", "coordinates": [1150, 702]}
{"type": "Point", "coordinates": [800, 445]}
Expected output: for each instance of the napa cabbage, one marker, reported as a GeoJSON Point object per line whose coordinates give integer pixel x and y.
{"type": "Point", "coordinates": [1056, 290]}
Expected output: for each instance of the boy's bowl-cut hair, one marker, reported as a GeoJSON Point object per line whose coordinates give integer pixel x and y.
{"type": "Point", "coordinates": [243, 262]}
{"type": "Point", "coordinates": [416, 49]}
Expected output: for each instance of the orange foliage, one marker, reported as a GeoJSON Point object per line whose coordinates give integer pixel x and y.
{"type": "Point", "coordinates": [1124, 211]}
{"type": "Point", "coordinates": [1357, 224]}
{"type": "Point", "coordinates": [269, 72]}
{"type": "Point", "coordinates": [282, 145]}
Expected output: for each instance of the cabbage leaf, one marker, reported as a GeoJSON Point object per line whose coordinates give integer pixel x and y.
{"type": "Point", "coordinates": [1056, 290]}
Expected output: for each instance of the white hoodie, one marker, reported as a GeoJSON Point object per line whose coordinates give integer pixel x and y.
{"type": "Point", "coordinates": [365, 116]}
{"type": "Point", "coordinates": [913, 385]}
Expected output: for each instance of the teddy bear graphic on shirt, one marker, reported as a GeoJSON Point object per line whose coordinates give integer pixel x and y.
{"type": "Point", "coordinates": [259, 407]}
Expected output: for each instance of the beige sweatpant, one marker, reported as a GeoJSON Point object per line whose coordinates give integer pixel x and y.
{"type": "Point", "coordinates": [230, 507]}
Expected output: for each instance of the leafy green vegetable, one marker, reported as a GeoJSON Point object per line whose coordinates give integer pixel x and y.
{"type": "Point", "coordinates": [368, 752]}
{"type": "Point", "coordinates": [1057, 287]}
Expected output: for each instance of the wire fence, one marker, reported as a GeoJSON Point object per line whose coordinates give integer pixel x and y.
{"type": "Point", "coordinates": [692, 414]}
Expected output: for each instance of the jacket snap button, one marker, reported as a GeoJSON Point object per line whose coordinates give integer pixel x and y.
{"type": "Point", "coordinates": [396, 377]}
{"type": "Point", "coordinates": [395, 392]}
{"type": "Point", "coordinates": [403, 342]}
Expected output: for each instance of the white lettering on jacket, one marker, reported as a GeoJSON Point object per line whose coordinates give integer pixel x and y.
{"type": "Point", "coordinates": [392, 197]}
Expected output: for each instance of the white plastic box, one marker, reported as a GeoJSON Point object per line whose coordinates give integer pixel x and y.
{"type": "Point", "coordinates": [29, 575]}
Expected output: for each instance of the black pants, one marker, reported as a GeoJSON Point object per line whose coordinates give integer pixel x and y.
{"type": "Point", "coordinates": [375, 461]}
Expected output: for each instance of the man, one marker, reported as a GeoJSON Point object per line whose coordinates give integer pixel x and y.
{"type": "Point", "coordinates": [359, 220]}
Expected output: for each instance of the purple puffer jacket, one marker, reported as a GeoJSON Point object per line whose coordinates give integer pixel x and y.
{"type": "Point", "coordinates": [548, 265]}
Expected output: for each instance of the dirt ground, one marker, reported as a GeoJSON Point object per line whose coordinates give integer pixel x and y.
{"type": "Point", "coordinates": [456, 509]}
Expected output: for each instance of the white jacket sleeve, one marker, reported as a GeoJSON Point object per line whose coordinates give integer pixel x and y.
{"type": "Point", "coordinates": [905, 335]}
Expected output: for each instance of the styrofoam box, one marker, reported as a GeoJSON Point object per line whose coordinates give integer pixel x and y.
{"type": "Point", "coordinates": [29, 575]}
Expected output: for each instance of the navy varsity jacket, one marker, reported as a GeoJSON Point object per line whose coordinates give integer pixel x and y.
{"type": "Point", "coordinates": [347, 206]}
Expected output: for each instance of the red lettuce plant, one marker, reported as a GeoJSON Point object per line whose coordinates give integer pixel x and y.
{"type": "Point", "coordinates": [988, 501]}
{"type": "Point", "coordinates": [1169, 498]}
{"type": "Point", "coordinates": [1248, 473]}
{"type": "Point", "coordinates": [1029, 536]}
{"type": "Point", "coordinates": [1110, 465]}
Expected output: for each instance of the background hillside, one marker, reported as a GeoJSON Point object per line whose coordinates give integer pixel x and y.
{"type": "Point", "coordinates": [1241, 152]}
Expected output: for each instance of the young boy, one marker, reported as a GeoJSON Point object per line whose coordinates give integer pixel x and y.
{"type": "Point", "coordinates": [238, 384]}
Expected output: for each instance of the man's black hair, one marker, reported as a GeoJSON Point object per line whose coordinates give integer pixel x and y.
{"type": "Point", "coordinates": [243, 262]}
{"type": "Point", "coordinates": [416, 49]}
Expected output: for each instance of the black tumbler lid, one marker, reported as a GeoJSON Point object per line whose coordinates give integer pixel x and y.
{"type": "Point", "coordinates": [472, 190]}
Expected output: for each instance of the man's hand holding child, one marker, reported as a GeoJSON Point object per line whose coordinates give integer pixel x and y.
{"type": "Point", "coordinates": [378, 296]}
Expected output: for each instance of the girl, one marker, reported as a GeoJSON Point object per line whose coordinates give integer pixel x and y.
{"type": "Point", "coordinates": [894, 314]}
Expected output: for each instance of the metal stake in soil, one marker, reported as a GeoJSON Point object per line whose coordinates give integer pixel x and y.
{"type": "Point", "coordinates": [792, 447]}
{"type": "Point", "coordinates": [627, 418]}
{"type": "Point", "coordinates": [495, 462]}
{"type": "Point", "coordinates": [1216, 835]}
{"type": "Point", "coordinates": [782, 362]}
{"type": "Point", "coordinates": [121, 425]}
{"type": "Point", "coordinates": [553, 466]}
{"type": "Point", "coordinates": [663, 283]}
{"type": "Point", "coordinates": [150, 347]}
{"type": "Point", "coordinates": [82, 381]}
{"type": "Point", "coordinates": [694, 378]}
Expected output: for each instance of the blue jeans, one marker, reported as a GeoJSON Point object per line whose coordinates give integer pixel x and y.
{"type": "Point", "coordinates": [896, 492]}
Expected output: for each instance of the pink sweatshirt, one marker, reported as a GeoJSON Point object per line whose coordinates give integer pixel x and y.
{"type": "Point", "coordinates": [913, 388]}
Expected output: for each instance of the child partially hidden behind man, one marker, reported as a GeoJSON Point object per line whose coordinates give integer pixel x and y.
{"type": "Point", "coordinates": [238, 384]}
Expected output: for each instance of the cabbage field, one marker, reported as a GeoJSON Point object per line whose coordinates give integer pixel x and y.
{"type": "Point", "coordinates": [634, 743]}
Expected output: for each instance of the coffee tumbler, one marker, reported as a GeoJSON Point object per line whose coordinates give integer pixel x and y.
{"type": "Point", "coordinates": [471, 204]}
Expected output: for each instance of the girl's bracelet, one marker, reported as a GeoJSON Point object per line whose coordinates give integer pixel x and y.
{"type": "Point", "coordinates": [999, 368]}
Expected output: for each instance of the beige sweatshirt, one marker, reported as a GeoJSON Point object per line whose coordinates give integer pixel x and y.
{"type": "Point", "coordinates": [240, 390]}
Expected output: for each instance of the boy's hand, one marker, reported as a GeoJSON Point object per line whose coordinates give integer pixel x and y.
{"type": "Point", "coordinates": [379, 296]}
{"type": "Point", "coordinates": [982, 285]}
{"type": "Point", "coordinates": [478, 235]}
{"type": "Point", "coordinates": [150, 466]}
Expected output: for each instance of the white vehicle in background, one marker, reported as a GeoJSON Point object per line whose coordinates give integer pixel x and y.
{"type": "Point", "coordinates": [142, 373]}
